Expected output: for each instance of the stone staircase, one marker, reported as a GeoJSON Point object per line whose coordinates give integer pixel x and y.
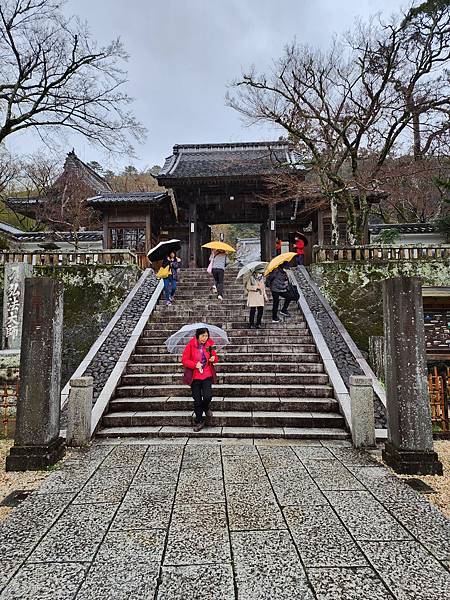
{"type": "Point", "coordinates": [272, 382]}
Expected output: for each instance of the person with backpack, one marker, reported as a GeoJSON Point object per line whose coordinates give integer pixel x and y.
{"type": "Point", "coordinates": [173, 263]}
{"type": "Point", "coordinates": [279, 286]}
{"type": "Point", "coordinates": [199, 358]}
{"type": "Point", "coordinates": [256, 293]}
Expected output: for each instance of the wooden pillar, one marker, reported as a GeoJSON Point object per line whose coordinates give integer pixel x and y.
{"type": "Point", "coordinates": [263, 242]}
{"type": "Point", "coordinates": [148, 230]}
{"type": "Point", "coordinates": [105, 231]}
{"type": "Point", "coordinates": [193, 234]}
{"type": "Point", "coordinates": [271, 231]}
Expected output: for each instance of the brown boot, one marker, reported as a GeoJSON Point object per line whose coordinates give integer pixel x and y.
{"type": "Point", "coordinates": [199, 426]}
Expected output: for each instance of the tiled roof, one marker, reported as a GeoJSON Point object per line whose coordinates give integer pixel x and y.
{"type": "Point", "coordinates": [227, 160]}
{"type": "Point", "coordinates": [16, 201]}
{"type": "Point", "coordinates": [83, 171]}
{"type": "Point", "coordinates": [129, 198]}
{"type": "Point", "coordinates": [58, 236]}
{"type": "Point", "coordinates": [7, 228]}
{"type": "Point", "coordinates": [377, 228]}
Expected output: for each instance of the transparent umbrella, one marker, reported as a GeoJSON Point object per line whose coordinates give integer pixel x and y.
{"type": "Point", "coordinates": [178, 340]}
{"type": "Point", "coordinates": [252, 267]}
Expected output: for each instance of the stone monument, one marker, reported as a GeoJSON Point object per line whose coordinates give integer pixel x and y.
{"type": "Point", "coordinates": [409, 448]}
{"type": "Point", "coordinates": [37, 444]}
{"type": "Point", "coordinates": [13, 299]}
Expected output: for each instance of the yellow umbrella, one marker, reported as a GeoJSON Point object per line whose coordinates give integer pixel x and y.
{"type": "Point", "coordinates": [219, 246]}
{"type": "Point", "coordinates": [279, 260]}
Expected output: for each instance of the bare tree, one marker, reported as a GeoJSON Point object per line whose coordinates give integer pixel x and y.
{"type": "Point", "coordinates": [349, 109]}
{"type": "Point", "coordinates": [53, 77]}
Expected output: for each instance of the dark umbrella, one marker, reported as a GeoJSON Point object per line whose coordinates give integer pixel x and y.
{"type": "Point", "coordinates": [302, 237]}
{"type": "Point", "coordinates": [163, 249]}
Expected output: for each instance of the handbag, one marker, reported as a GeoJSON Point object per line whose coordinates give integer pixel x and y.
{"type": "Point", "coordinates": [163, 272]}
{"type": "Point", "coordinates": [209, 269]}
{"type": "Point", "coordinates": [292, 292]}
{"type": "Point", "coordinates": [188, 376]}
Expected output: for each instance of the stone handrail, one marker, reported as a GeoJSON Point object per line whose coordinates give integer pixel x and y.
{"type": "Point", "coordinates": [381, 252]}
{"type": "Point", "coordinates": [58, 259]}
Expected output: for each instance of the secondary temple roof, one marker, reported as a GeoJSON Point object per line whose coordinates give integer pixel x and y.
{"type": "Point", "coordinates": [226, 160]}
{"type": "Point", "coordinates": [127, 198]}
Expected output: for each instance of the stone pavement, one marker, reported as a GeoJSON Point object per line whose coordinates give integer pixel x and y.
{"type": "Point", "coordinates": [179, 519]}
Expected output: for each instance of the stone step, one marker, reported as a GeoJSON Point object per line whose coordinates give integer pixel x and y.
{"type": "Point", "coordinates": [310, 433]}
{"type": "Point", "coordinates": [268, 328]}
{"type": "Point", "coordinates": [148, 356]}
{"type": "Point", "coordinates": [218, 403]}
{"type": "Point", "coordinates": [230, 390]}
{"type": "Point", "coordinates": [237, 367]}
{"type": "Point", "coordinates": [245, 379]}
{"type": "Point", "coordinates": [144, 346]}
{"type": "Point", "coordinates": [182, 418]}
{"type": "Point", "coordinates": [277, 339]}
{"type": "Point", "coordinates": [233, 322]}
{"type": "Point", "coordinates": [257, 334]}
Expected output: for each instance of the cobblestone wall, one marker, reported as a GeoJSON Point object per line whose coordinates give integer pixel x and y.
{"type": "Point", "coordinates": [104, 361]}
{"type": "Point", "coordinates": [343, 357]}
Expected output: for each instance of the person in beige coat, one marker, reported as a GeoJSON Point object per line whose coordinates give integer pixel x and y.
{"type": "Point", "coordinates": [255, 290]}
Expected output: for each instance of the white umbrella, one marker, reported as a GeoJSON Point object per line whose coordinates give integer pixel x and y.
{"type": "Point", "coordinates": [252, 267]}
{"type": "Point", "coordinates": [178, 340]}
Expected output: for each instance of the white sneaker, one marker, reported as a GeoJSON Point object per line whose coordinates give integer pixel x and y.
{"type": "Point", "coordinates": [214, 288]}
{"type": "Point", "coordinates": [219, 297]}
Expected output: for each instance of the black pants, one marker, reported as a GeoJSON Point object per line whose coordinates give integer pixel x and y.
{"type": "Point", "coordinates": [202, 394]}
{"type": "Point", "coordinates": [259, 317]}
{"type": "Point", "coordinates": [218, 275]}
{"type": "Point", "coordinates": [276, 301]}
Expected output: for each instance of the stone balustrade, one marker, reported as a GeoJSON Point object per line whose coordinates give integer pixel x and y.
{"type": "Point", "coordinates": [381, 252]}
{"type": "Point", "coordinates": [58, 259]}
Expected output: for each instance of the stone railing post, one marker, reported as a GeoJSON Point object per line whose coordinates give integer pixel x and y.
{"type": "Point", "coordinates": [79, 412]}
{"type": "Point", "coordinates": [409, 448]}
{"type": "Point", "coordinates": [363, 419]}
{"type": "Point", "coordinates": [37, 443]}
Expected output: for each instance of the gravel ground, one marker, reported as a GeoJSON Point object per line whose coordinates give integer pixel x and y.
{"type": "Point", "coordinates": [441, 485]}
{"type": "Point", "coordinates": [15, 481]}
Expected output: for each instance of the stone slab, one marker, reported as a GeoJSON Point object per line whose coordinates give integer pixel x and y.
{"type": "Point", "coordinates": [143, 545]}
{"type": "Point", "coordinates": [387, 488]}
{"type": "Point", "coordinates": [350, 457]}
{"type": "Point", "coordinates": [267, 566]}
{"type": "Point", "coordinates": [408, 570]}
{"type": "Point", "coordinates": [197, 548]}
{"type": "Point", "coordinates": [331, 475]}
{"type": "Point", "coordinates": [243, 470]}
{"type": "Point", "coordinates": [58, 581]}
{"type": "Point", "coordinates": [199, 582]}
{"type": "Point", "coordinates": [365, 517]}
{"type": "Point", "coordinates": [348, 584]}
{"type": "Point", "coordinates": [106, 485]}
{"type": "Point", "coordinates": [120, 580]}
{"type": "Point", "coordinates": [321, 538]}
{"type": "Point", "coordinates": [125, 456]}
{"type": "Point", "coordinates": [76, 535]}
{"type": "Point", "coordinates": [253, 507]}
{"type": "Point", "coordinates": [313, 453]}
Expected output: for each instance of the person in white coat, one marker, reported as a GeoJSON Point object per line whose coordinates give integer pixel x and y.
{"type": "Point", "coordinates": [255, 289]}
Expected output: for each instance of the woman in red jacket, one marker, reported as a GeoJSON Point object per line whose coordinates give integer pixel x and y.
{"type": "Point", "coordinates": [199, 357]}
{"type": "Point", "coordinates": [299, 248]}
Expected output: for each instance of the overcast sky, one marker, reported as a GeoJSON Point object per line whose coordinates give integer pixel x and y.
{"type": "Point", "coordinates": [183, 53]}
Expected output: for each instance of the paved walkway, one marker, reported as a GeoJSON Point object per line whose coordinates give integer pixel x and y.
{"type": "Point", "coordinates": [178, 521]}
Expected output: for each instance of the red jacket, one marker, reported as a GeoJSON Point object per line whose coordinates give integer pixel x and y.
{"type": "Point", "coordinates": [300, 247]}
{"type": "Point", "coordinates": [192, 355]}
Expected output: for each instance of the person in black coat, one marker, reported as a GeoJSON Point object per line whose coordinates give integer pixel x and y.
{"type": "Point", "coordinates": [279, 283]}
{"type": "Point", "coordinates": [170, 282]}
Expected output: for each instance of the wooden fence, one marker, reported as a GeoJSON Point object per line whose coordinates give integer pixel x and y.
{"type": "Point", "coordinates": [378, 252]}
{"type": "Point", "coordinates": [439, 391]}
{"type": "Point", "coordinates": [102, 257]}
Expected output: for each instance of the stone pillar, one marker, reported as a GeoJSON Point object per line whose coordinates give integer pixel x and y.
{"type": "Point", "coordinates": [409, 448]}
{"type": "Point", "coordinates": [79, 412]}
{"type": "Point", "coordinates": [37, 444]}
{"type": "Point", "coordinates": [376, 355]}
{"type": "Point", "coordinates": [13, 299]}
{"type": "Point", "coordinates": [363, 419]}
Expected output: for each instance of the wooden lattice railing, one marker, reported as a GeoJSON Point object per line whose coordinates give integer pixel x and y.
{"type": "Point", "coordinates": [378, 252]}
{"type": "Point", "coordinates": [104, 257]}
{"type": "Point", "coordinates": [438, 390]}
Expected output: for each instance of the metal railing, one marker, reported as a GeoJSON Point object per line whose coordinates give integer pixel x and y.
{"type": "Point", "coordinates": [99, 257]}
{"type": "Point", "coordinates": [381, 252]}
